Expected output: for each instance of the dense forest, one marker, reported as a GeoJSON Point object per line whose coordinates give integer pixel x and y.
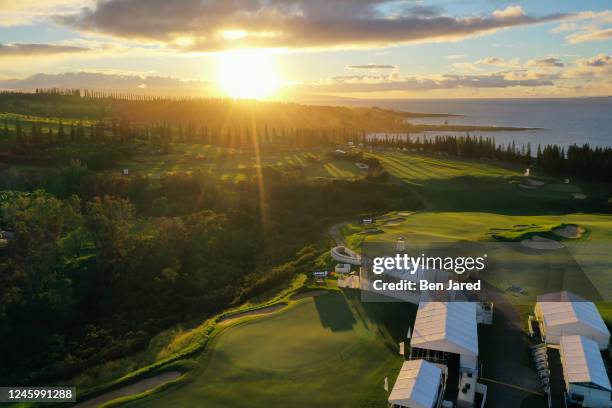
{"type": "Point", "coordinates": [213, 113]}
{"type": "Point", "coordinates": [94, 262]}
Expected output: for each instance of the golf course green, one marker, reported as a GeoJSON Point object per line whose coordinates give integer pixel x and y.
{"type": "Point", "coordinates": [327, 350]}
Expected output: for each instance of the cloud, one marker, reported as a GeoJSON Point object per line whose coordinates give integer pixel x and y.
{"type": "Point", "coordinates": [499, 62]}
{"type": "Point", "coordinates": [548, 62]}
{"type": "Point", "coordinates": [19, 12]}
{"type": "Point", "coordinates": [454, 56]}
{"type": "Point", "coordinates": [598, 61]}
{"type": "Point", "coordinates": [597, 68]}
{"type": "Point", "coordinates": [509, 12]}
{"type": "Point", "coordinates": [26, 50]}
{"type": "Point", "coordinates": [590, 35]}
{"type": "Point", "coordinates": [586, 26]}
{"type": "Point", "coordinates": [138, 84]}
{"type": "Point", "coordinates": [396, 82]}
{"type": "Point", "coordinates": [372, 66]}
{"type": "Point", "coordinates": [196, 25]}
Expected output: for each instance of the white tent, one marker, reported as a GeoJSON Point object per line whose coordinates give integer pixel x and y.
{"type": "Point", "coordinates": [582, 362]}
{"type": "Point", "coordinates": [570, 315]}
{"type": "Point", "coordinates": [417, 385]}
{"type": "Point", "coordinates": [449, 327]}
{"type": "Point", "coordinates": [584, 371]}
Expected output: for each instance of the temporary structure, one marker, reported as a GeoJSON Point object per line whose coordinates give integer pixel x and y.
{"type": "Point", "coordinates": [564, 313]}
{"type": "Point", "coordinates": [418, 385]}
{"type": "Point", "coordinates": [448, 327]}
{"type": "Point", "coordinates": [584, 371]}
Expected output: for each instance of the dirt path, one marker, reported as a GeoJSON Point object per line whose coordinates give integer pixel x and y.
{"type": "Point", "coordinates": [132, 389]}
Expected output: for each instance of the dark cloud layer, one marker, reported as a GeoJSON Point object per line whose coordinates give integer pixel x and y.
{"type": "Point", "coordinates": [548, 62]}
{"type": "Point", "coordinates": [286, 23]}
{"type": "Point", "coordinates": [21, 50]}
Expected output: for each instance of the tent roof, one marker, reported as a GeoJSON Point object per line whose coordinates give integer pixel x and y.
{"type": "Point", "coordinates": [416, 385]}
{"type": "Point", "coordinates": [582, 362]}
{"type": "Point", "coordinates": [446, 326]}
{"type": "Point", "coordinates": [558, 313]}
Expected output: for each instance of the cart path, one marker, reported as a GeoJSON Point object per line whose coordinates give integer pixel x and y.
{"type": "Point", "coordinates": [132, 389]}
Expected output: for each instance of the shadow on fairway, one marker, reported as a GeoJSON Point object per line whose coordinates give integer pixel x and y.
{"type": "Point", "coordinates": [334, 313]}
{"type": "Point", "coordinates": [496, 194]}
{"type": "Point", "coordinates": [391, 319]}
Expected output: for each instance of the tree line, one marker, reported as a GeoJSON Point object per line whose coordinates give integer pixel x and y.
{"type": "Point", "coordinates": [588, 162]}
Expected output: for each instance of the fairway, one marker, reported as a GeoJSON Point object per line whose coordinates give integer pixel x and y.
{"type": "Point", "coordinates": [231, 165]}
{"type": "Point", "coordinates": [588, 254]}
{"type": "Point", "coordinates": [454, 184]}
{"type": "Point", "coordinates": [328, 350]}
{"type": "Point", "coordinates": [415, 168]}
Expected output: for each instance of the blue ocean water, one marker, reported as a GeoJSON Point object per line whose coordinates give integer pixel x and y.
{"type": "Point", "coordinates": [562, 121]}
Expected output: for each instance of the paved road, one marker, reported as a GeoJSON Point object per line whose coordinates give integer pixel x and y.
{"type": "Point", "coordinates": [504, 352]}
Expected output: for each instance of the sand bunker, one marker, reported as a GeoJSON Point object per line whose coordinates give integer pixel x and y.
{"type": "Point", "coordinates": [132, 389]}
{"type": "Point", "coordinates": [526, 186]}
{"type": "Point", "coordinates": [569, 231]}
{"type": "Point", "coordinates": [537, 242]}
{"type": "Point", "coordinates": [405, 213]}
{"type": "Point", "coordinates": [265, 310]}
{"type": "Point", "coordinates": [579, 196]}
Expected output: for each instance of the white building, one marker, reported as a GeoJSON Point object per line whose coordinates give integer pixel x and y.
{"type": "Point", "coordinates": [345, 255]}
{"type": "Point", "coordinates": [564, 314]}
{"type": "Point", "coordinates": [448, 327]}
{"type": "Point", "coordinates": [343, 268]}
{"type": "Point", "coordinates": [584, 373]}
{"type": "Point", "coordinates": [419, 384]}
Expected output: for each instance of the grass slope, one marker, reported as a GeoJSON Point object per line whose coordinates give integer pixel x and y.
{"type": "Point", "coordinates": [230, 165]}
{"type": "Point", "coordinates": [329, 350]}
{"type": "Point", "coordinates": [452, 184]}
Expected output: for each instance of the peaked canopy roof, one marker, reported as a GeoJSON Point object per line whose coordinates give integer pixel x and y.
{"type": "Point", "coordinates": [582, 362]}
{"type": "Point", "coordinates": [416, 385]}
{"type": "Point", "coordinates": [446, 326]}
{"type": "Point", "coordinates": [566, 308]}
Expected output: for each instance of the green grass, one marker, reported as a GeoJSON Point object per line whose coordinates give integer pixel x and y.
{"type": "Point", "coordinates": [416, 168]}
{"type": "Point", "coordinates": [232, 165]}
{"type": "Point", "coordinates": [330, 350]}
{"type": "Point", "coordinates": [454, 184]}
{"type": "Point", "coordinates": [515, 265]}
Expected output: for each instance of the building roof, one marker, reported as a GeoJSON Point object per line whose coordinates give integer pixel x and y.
{"type": "Point", "coordinates": [416, 385]}
{"type": "Point", "coordinates": [582, 362]}
{"type": "Point", "coordinates": [446, 326]}
{"type": "Point", "coordinates": [570, 309]}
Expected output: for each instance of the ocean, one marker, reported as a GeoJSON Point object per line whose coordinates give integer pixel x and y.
{"type": "Point", "coordinates": [561, 121]}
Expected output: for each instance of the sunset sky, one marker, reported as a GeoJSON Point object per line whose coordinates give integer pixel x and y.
{"type": "Point", "coordinates": [294, 48]}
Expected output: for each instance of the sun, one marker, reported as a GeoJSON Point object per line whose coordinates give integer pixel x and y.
{"type": "Point", "coordinates": [248, 74]}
